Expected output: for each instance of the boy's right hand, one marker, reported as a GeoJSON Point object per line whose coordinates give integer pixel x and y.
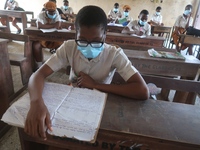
{"type": "Point", "coordinates": [38, 118]}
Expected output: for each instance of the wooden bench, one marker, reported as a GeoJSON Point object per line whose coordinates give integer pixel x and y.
{"type": "Point", "coordinates": [18, 14]}
{"type": "Point", "coordinates": [24, 61]}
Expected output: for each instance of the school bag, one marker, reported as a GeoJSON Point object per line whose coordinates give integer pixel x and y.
{"type": "Point", "coordinates": [192, 31]}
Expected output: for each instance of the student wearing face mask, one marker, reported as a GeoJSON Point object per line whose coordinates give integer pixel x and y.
{"type": "Point", "coordinates": [126, 14]}
{"type": "Point", "coordinates": [181, 24]}
{"type": "Point", "coordinates": [156, 19]}
{"type": "Point", "coordinates": [12, 5]}
{"type": "Point", "coordinates": [93, 64]}
{"type": "Point", "coordinates": [139, 27]}
{"type": "Point", "coordinates": [114, 13]}
{"type": "Point", "coordinates": [68, 11]}
{"type": "Point", "coordinates": [46, 19]}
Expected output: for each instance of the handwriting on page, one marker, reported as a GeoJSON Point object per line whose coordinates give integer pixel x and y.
{"type": "Point", "coordinates": [79, 114]}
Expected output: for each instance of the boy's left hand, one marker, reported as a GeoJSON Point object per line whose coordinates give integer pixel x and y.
{"type": "Point", "coordinates": [84, 80]}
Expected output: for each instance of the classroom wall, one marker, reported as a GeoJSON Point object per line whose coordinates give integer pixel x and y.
{"type": "Point", "coordinates": [171, 9]}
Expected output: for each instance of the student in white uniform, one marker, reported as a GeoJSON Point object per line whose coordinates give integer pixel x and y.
{"type": "Point", "coordinates": [181, 24]}
{"type": "Point", "coordinates": [114, 13]}
{"type": "Point", "coordinates": [126, 14]}
{"type": "Point", "coordinates": [156, 19]}
{"type": "Point", "coordinates": [68, 11]}
{"type": "Point", "coordinates": [139, 27]}
{"type": "Point", "coordinates": [12, 5]}
{"type": "Point", "coordinates": [93, 64]}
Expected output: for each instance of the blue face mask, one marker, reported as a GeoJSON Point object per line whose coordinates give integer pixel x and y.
{"type": "Point", "coordinates": [158, 13]}
{"type": "Point", "coordinates": [65, 7]}
{"type": "Point", "coordinates": [51, 16]}
{"type": "Point", "coordinates": [187, 12]}
{"type": "Point", "coordinates": [126, 14]}
{"type": "Point", "coordinates": [115, 10]}
{"type": "Point", "coordinates": [90, 52]}
{"type": "Point", "coordinates": [11, 1]}
{"type": "Point", "coordinates": [142, 23]}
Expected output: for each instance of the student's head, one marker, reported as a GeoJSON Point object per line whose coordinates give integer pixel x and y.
{"type": "Point", "coordinates": [158, 10]}
{"type": "Point", "coordinates": [143, 17]}
{"type": "Point", "coordinates": [91, 26]}
{"type": "Point", "coordinates": [116, 5]}
{"type": "Point", "coordinates": [188, 10]}
{"type": "Point", "coordinates": [50, 8]}
{"type": "Point", "coordinates": [66, 2]}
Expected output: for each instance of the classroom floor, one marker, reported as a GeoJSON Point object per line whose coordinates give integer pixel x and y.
{"type": "Point", "coordinates": [10, 141]}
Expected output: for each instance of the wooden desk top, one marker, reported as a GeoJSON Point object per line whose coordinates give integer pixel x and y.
{"type": "Point", "coordinates": [123, 40]}
{"type": "Point", "coordinates": [189, 39]}
{"type": "Point", "coordinates": [160, 119]}
{"type": "Point", "coordinates": [158, 124]}
{"type": "Point", "coordinates": [161, 29]}
{"type": "Point", "coordinates": [162, 66]}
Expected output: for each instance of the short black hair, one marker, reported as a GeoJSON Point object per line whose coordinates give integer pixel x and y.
{"type": "Point", "coordinates": [158, 8]}
{"type": "Point", "coordinates": [190, 6]}
{"type": "Point", "coordinates": [116, 4]}
{"type": "Point", "coordinates": [91, 16]}
{"type": "Point", "coordinates": [144, 11]}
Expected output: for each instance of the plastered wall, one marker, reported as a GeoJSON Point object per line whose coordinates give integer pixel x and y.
{"type": "Point", "coordinates": [171, 9]}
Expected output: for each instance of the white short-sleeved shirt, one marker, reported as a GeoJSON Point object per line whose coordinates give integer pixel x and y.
{"type": "Point", "coordinates": [128, 17]}
{"type": "Point", "coordinates": [134, 26]}
{"type": "Point", "coordinates": [69, 10]}
{"type": "Point", "coordinates": [42, 17]}
{"type": "Point", "coordinates": [11, 6]}
{"type": "Point", "coordinates": [181, 21]}
{"type": "Point", "coordinates": [157, 18]}
{"type": "Point", "coordinates": [101, 68]}
{"type": "Point", "coordinates": [114, 15]}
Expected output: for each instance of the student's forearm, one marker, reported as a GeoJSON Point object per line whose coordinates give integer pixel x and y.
{"type": "Point", "coordinates": [35, 87]}
{"type": "Point", "coordinates": [131, 90]}
{"type": "Point", "coordinates": [46, 26]}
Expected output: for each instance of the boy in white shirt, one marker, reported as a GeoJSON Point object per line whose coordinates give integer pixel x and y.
{"type": "Point", "coordinates": [139, 27]}
{"type": "Point", "coordinates": [114, 13]}
{"type": "Point", "coordinates": [93, 63]}
{"type": "Point", "coordinates": [68, 11]}
{"type": "Point", "coordinates": [156, 19]}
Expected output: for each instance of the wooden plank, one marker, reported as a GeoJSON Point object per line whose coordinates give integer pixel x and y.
{"type": "Point", "coordinates": [16, 37]}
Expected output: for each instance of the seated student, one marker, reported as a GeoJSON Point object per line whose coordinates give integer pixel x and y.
{"type": "Point", "coordinates": [114, 13]}
{"type": "Point", "coordinates": [92, 60]}
{"type": "Point", "coordinates": [139, 27]}
{"type": "Point", "coordinates": [156, 19]}
{"type": "Point", "coordinates": [46, 19]}
{"type": "Point", "coordinates": [126, 14]}
{"type": "Point", "coordinates": [12, 5]}
{"type": "Point", "coordinates": [60, 12]}
{"type": "Point", "coordinates": [68, 11]}
{"type": "Point", "coordinates": [181, 24]}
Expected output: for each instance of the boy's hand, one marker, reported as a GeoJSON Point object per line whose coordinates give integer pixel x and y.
{"type": "Point", "coordinates": [37, 120]}
{"type": "Point", "coordinates": [85, 81]}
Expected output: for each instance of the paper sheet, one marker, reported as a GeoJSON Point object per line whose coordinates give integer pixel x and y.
{"type": "Point", "coordinates": [75, 112]}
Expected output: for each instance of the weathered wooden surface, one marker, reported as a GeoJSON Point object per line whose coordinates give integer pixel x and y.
{"type": "Point", "coordinates": [125, 41]}
{"type": "Point", "coordinates": [6, 84]}
{"type": "Point", "coordinates": [154, 124]}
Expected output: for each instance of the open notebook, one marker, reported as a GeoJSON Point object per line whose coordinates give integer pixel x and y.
{"type": "Point", "coordinates": [75, 112]}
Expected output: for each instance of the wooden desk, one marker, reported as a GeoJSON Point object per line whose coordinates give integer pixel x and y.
{"type": "Point", "coordinates": [6, 83]}
{"type": "Point", "coordinates": [189, 39]}
{"type": "Point", "coordinates": [161, 30]}
{"type": "Point", "coordinates": [123, 40]}
{"type": "Point", "coordinates": [114, 28]}
{"type": "Point", "coordinates": [161, 66]}
{"type": "Point", "coordinates": [18, 14]}
{"type": "Point", "coordinates": [158, 125]}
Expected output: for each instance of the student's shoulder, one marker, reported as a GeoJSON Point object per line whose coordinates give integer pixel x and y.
{"type": "Point", "coordinates": [112, 48]}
